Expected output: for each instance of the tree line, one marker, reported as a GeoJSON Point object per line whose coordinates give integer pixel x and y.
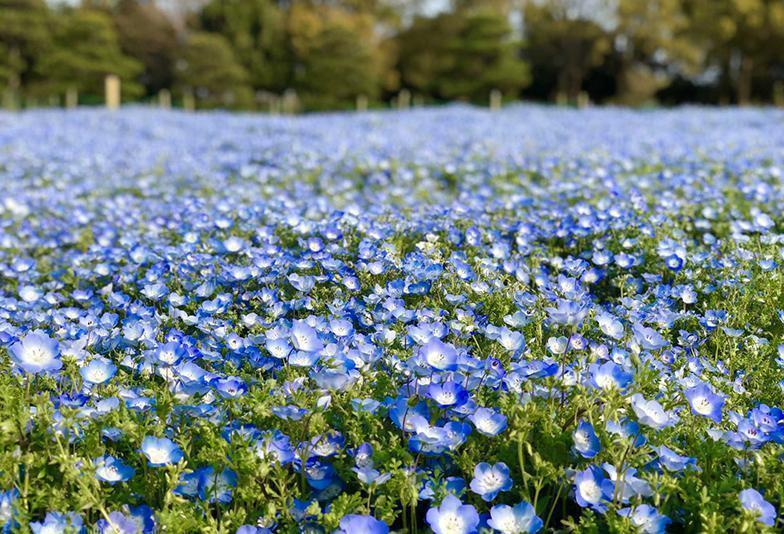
{"type": "Point", "coordinates": [335, 54]}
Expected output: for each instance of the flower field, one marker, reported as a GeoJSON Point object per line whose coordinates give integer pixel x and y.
{"type": "Point", "coordinates": [445, 320]}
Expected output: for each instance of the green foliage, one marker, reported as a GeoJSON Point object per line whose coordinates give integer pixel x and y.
{"type": "Point", "coordinates": [84, 50]}
{"type": "Point", "coordinates": [209, 68]}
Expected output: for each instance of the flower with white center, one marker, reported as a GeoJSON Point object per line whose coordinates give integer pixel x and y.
{"type": "Point", "coordinates": [453, 517]}
{"type": "Point", "coordinates": [520, 519]}
{"type": "Point", "coordinates": [488, 422]}
{"type": "Point", "coordinates": [161, 451]}
{"type": "Point", "coordinates": [592, 489]}
{"type": "Point", "coordinates": [490, 480]}
{"type": "Point", "coordinates": [651, 413]}
{"type": "Point", "coordinates": [438, 355]}
{"type": "Point", "coordinates": [705, 402]}
{"type": "Point", "coordinates": [98, 371]}
{"type": "Point", "coordinates": [112, 470]}
{"type": "Point", "coordinates": [36, 353]}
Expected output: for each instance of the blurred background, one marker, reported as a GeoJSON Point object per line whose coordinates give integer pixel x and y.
{"type": "Point", "coordinates": [301, 55]}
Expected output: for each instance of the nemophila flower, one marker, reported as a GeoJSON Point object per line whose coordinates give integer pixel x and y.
{"type": "Point", "coordinates": [752, 501]}
{"type": "Point", "coordinates": [362, 524]}
{"type": "Point", "coordinates": [610, 325]}
{"type": "Point", "coordinates": [438, 355]}
{"type": "Point", "coordinates": [646, 519]}
{"type": "Point", "coordinates": [304, 338]}
{"type": "Point", "coordinates": [447, 394]}
{"type": "Point", "coordinates": [98, 371]}
{"type": "Point", "coordinates": [648, 338]}
{"type": "Point", "coordinates": [705, 402]}
{"type": "Point", "coordinates": [586, 442]}
{"type": "Point", "coordinates": [56, 523]}
{"type": "Point", "coordinates": [592, 489]}
{"type": "Point", "coordinates": [36, 353]}
{"type": "Point", "coordinates": [453, 517]}
{"type": "Point", "coordinates": [161, 451]}
{"type": "Point", "coordinates": [610, 375]}
{"type": "Point", "coordinates": [216, 486]}
{"type": "Point", "coordinates": [672, 461]}
{"type": "Point", "coordinates": [490, 480]}
{"type": "Point", "coordinates": [518, 519]}
{"type": "Point", "coordinates": [117, 523]}
{"type": "Point", "coordinates": [112, 470]}
{"type": "Point", "coordinates": [651, 413]}
{"type": "Point", "coordinates": [8, 509]}
{"type": "Point", "coordinates": [452, 485]}
{"type": "Point", "coordinates": [629, 485]}
{"type": "Point", "coordinates": [488, 422]}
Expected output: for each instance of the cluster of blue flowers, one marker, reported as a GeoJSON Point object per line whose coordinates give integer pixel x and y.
{"type": "Point", "coordinates": [451, 319]}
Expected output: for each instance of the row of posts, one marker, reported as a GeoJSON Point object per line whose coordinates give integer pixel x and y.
{"type": "Point", "coordinates": [289, 102]}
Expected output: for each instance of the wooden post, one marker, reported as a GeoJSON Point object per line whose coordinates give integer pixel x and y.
{"type": "Point", "coordinates": [164, 99]}
{"type": "Point", "coordinates": [362, 103]}
{"type": "Point", "coordinates": [778, 94]}
{"type": "Point", "coordinates": [290, 102]}
{"type": "Point", "coordinates": [583, 100]}
{"type": "Point", "coordinates": [71, 98]}
{"type": "Point", "coordinates": [404, 99]}
{"type": "Point", "coordinates": [188, 101]}
{"type": "Point", "coordinates": [496, 99]}
{"type": "Point", "coordinates": [112, 87]}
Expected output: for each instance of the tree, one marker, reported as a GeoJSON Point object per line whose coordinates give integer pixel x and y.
{"type": "Point", "coordinates": [740, 38]}
{"type": "Point", "coordinates": [23, 36]}
{"type": "Point", "coordinates": [652, 44]}
{"type": "Point", "coordinates": [462, 55]}
{"type": "Point", "coordinates": [336, 56]}
{"type": "Point", "coordinates": [564, 40]}
{"type": "Point", "coordinates": [84, 51]}
{"type": "Point", "coordinates": [209, 68]}
{"type": "Point", "coordinates": [146, 34]}
{"type": "Point", "coordinates": [256, 30]}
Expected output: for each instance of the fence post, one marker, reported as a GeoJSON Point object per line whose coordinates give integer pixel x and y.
{"type": "Point", "coordinates": [404, 99]}
{"type": "Point", "coordinates": [112, 90]}
{"type": "Point", "coordinates": [71, 98]}
{"type": "Point", "coordinates": [362, 103]}
{"type": "Point", "coordinates": [495, 100]}
{"type": "Point", "coordinates": [164, 99]}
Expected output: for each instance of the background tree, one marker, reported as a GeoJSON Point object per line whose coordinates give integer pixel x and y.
{"type": "Point", "coordinates": [256, 30]}
{"type": "Point", "coordinates": [209, 69]}
{"type": "Point", "coordinates": [472, 55]}
{"type": "Point", "coordinates": [564, 41]}
{"type": "Point", "coordinates": [84, 49]}
{"type": "Point", "coordinates": [335, 55]}
{"type": "Point", "coordinates": [24, 33]}
{"type": "Point", "coordinates": [147, 34]}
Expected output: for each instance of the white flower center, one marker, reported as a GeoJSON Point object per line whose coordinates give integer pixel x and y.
{"type": "Point", "coordinates": [37, 355]}
{"type": "Point", "coordinates": [591, 491]}
{"type": "Point", "coordinates": [450, 522]}
{"type": "Point", "coordinates": [702, 405]}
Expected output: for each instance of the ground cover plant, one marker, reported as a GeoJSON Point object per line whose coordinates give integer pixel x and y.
{"type": "Point", "coordinates": [449, 320]}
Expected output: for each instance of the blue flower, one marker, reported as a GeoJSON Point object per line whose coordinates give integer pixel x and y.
{"type": "Point", "coordinates": [305, 338]}
{"type": "Point", "coordinates": [520, 519]}
{"type": "Point", "coordinates": [161, 451]}
{"type": "Point", "coordinates": [488, 422]}
{"type": "Point", "coordinates": [586, 442]}
{"type": "Point", "coordinates": [98, 371]}
{"type": "Point", "coordinates": [592, 489]}
{"type": "Point", "coordinates": [438, 355]}
{"type": "Point", "coordinates": [362, 524]}
{"type": "Point", "coordinates": [646, 518]}
{"type": "Point", "coordinates": [490, 480]}
{"type": "Point", "coordinates": [447, 394]}
{"type": "Point", "coordinates": [8, 509]}
{"type": "Point", "coordinates": [754, 502]}
{"type": "Point", "coordinates": [216, 487]}
{"type": "Point", "coordinates": [56, 523]}
{"type": "Point", "coordinates": [36, 353]}
{"type": "Point", "coordinates": [453, 517]}
{"type": "Point", "coordinates": [651, 413]}
{"type": "Point", "coordinates": [704, 402]}
{"type": "Point", "coordinates": [112, 470]}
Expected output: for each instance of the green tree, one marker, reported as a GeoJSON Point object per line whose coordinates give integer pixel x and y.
{"type": "Point", "coordinates": [146, 34]}
{"type": "Point", "coordinates": [462, 55]}
{"type": "Point", "coordinates": [84, 50]}
{"type": "Point", "coordinates": [208, 68]}
{"type": "Point", "coordinates": [743, 39]}
{"type": "Point", "coordinates": [336, 56]}
{"type": "Point", "coordinates": [564, 40]}
{"type": "Point", "coordinates": [256, 30]}
{"type": "Point", "coordinates": [23, 36]}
